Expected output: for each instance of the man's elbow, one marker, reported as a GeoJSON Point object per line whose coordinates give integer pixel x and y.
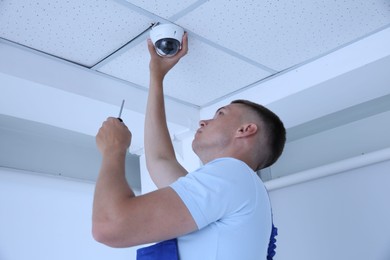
{"type": "Point", "coordinates": [101, 233]}
{"type": "Point", "coordinates": [105, 233]}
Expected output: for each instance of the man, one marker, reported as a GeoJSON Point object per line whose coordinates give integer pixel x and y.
{"type": "Point", "coordinates": [220, 211]}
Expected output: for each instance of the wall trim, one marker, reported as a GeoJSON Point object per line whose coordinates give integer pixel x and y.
{"type": "Point", "coordinates": [329, 169]}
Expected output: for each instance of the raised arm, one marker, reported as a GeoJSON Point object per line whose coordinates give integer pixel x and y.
{"type": "Point", "coordinates": [161, 161]}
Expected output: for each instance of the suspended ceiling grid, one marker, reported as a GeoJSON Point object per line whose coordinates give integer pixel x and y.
{"type": "Point", "coordinates": [233, 44]}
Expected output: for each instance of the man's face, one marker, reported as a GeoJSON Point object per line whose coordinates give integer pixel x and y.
{"type": "Point", "coordinates": [218, 132]}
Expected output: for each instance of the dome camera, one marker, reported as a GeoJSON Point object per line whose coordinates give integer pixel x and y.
{"type": "Point", "coordinates": [166, 39]}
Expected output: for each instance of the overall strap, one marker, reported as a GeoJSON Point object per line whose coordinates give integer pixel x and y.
{"type": "Point", "coordinates": [272, 241]}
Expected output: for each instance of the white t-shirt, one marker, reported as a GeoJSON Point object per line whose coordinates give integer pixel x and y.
{"type": "Point", "coordinates": [231, 208]}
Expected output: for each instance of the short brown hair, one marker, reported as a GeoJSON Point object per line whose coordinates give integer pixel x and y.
{"type": "Point", "coordinates": [274, 131]}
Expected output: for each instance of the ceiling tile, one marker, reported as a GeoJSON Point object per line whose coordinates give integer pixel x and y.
{"type": "Point", "coordinates": [203, 76]}
{"type": "Point", "coordinates": [280, 34]}
{"type": "Point", "coordinates": [165, 9]}
{"type": "Point", "coordinates": [80, 31]}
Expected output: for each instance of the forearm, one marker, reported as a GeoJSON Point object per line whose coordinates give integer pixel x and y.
{"type": "Point", "coordinates": [160, 155]}
{"type": "Point", "coordinates": [111, 189]}
{"type": "Point", "coordinates": [158, 143]}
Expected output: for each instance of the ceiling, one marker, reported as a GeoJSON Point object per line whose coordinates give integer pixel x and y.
{"type": "Point", "coordinates": [69, 64]}
{"type": "Point", "coordinates": [233, 44]}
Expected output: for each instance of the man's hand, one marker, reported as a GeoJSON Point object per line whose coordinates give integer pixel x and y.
{"type": "Point", "coordinates": [113, 136]}
{"type": "Point", "coordinates": [159, 66]}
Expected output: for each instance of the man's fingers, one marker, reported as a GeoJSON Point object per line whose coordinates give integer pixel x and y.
{"type": "Point", "coordinates": [151, 49]}
{"type": "Point", "coordinates": [184, 47]}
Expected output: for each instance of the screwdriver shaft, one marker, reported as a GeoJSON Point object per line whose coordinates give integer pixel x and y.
{"type": "Point", "coordinates": [120, 111]}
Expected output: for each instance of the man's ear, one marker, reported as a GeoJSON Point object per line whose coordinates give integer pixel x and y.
{"type": "Point", "coordinates": [247, 130]}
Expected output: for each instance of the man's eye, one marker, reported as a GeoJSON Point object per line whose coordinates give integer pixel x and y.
{"type": "Point", "coordinates": [218, 113]}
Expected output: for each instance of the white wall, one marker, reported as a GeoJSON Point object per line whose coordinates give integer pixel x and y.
{"type": "Point", "coordinates": [44, 217]}
{"type": "Point", "coordinates": [340, 217]}
{"type": "Point", "coordinates": [343, 216]}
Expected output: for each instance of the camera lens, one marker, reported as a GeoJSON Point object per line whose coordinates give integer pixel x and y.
{"type": "Point", "coordinates": [167, 47]}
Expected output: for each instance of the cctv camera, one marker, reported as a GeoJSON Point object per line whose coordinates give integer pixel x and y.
{"type": "Point", "coordinates": [166, 39]}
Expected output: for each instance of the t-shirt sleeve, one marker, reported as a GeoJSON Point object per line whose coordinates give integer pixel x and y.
{"type": "Point", "coordinates": [216, 190]}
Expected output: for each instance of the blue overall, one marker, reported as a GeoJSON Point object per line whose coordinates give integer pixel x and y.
{"type": "Point", "coordinates": [165, 250]}
{"type": "Point", "coordinates": [168, 250]}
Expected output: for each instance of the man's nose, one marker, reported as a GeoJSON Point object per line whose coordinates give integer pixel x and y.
{"type": "Point", "coordinates": [203, 123]}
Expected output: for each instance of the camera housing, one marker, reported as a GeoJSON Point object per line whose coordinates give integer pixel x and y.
{"type": "Point", "coordinates": [167, 39]}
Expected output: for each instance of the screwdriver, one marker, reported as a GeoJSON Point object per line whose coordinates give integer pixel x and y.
{"type": "Point", "coordinates": [120, 111]}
